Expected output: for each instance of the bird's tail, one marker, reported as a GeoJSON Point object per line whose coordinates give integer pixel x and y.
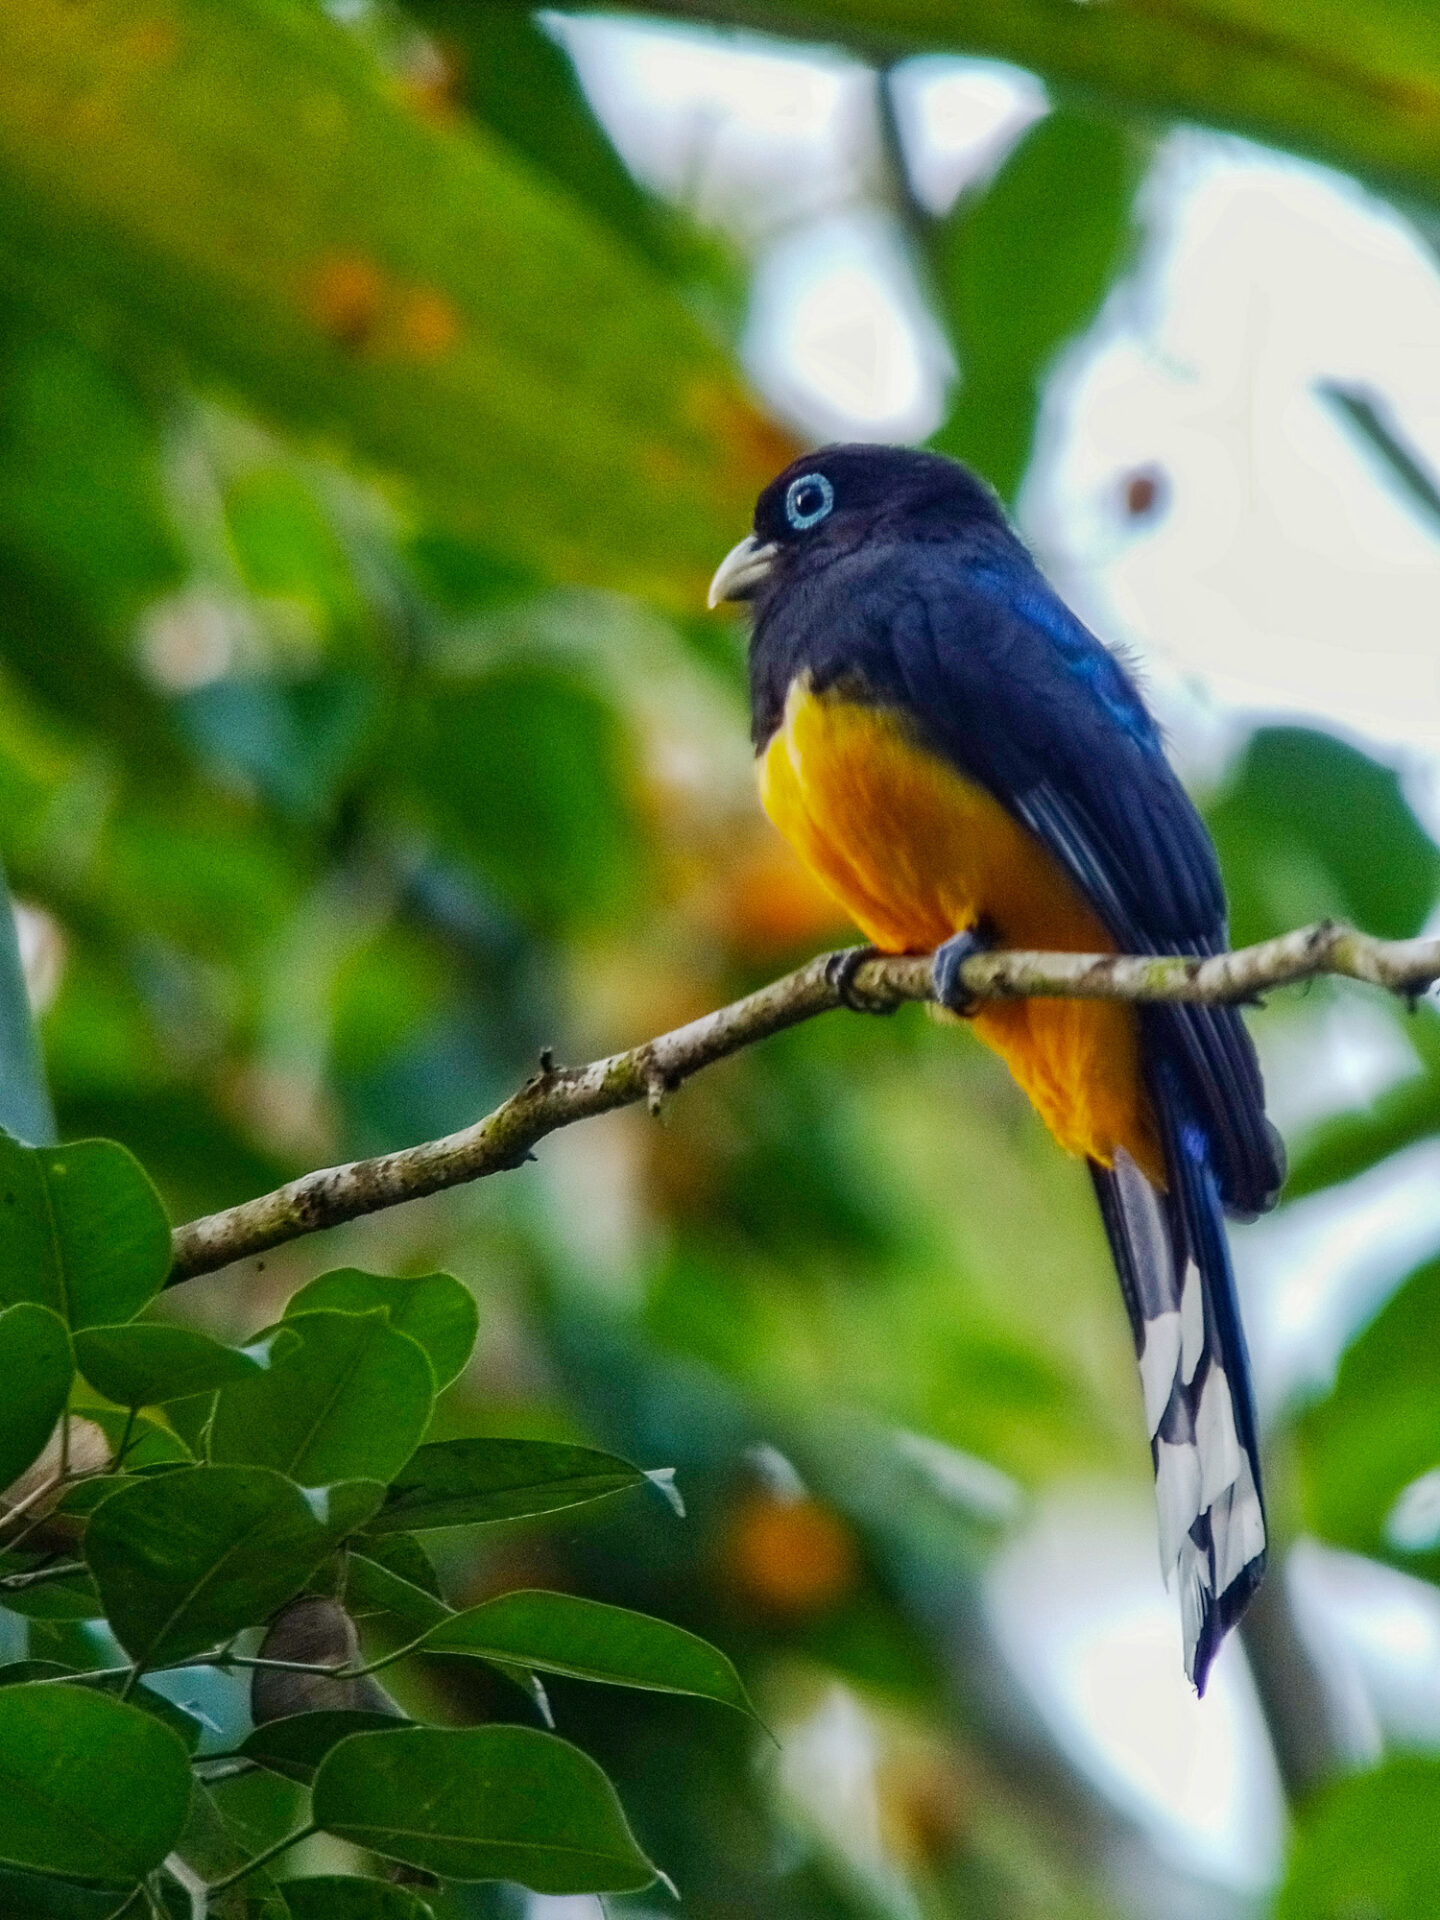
{"type": "Point", "coordinates": [1174, 1265]}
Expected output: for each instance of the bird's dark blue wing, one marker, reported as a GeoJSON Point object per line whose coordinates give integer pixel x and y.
{"type": "Point", "coordinates": [1018, 694]}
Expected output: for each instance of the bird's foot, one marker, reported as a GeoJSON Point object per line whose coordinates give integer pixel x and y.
{"type": "Point", "coordinates": [945, 972]}
{"type": "Point", "coordinates": [841, 970]}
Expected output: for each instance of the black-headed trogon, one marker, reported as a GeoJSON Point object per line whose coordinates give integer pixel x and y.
{"type": "Point", "coordinates": [959, 760]}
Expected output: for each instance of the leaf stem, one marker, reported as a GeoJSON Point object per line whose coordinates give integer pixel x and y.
{"type": "Point", "coordinates": [247, 1661]}
{"type": "Point", "coordinates": [82, 1673]}
{"type": "Point", "coordinates": [262, 1859]}
{"type": "Point", "coordinates": [37, 1576]}
{"type": "Point", "coordinates": [23, 1506]}
{"type": "Point", "coordinates": [389, 1659]}
{"type": "Point", "coordinates": [231, 1766]}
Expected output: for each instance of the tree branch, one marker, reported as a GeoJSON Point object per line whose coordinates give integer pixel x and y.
{"type": "Point", "coordinates": [558, 1096]}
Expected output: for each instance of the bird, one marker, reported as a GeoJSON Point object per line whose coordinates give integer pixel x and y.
{"type": "Point", "coordinates": [964, 766]}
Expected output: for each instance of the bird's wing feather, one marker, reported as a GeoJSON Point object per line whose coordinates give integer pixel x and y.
{"type": "Point", "coordinates": [1018, 694]}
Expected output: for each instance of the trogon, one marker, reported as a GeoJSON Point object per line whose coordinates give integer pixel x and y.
{"type": "Point", "coordinates": [961, 763]}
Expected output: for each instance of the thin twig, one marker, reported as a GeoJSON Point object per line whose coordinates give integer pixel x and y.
{"type": "Point", "coordinates": [245, 1662]}
{"type": "Point", "coordinates": [263, 1859]}
{"type": "Point", "coordinates": [36, 1494]}
{"type": "Point", "coordinates": [37, 1576]}
{"type": "Point", "coordinates": [559, 1096]}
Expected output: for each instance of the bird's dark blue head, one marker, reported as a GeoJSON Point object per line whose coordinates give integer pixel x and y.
{"type": "Point", "coordinates": [838, 498]}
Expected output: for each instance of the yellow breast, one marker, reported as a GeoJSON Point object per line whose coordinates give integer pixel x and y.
{"type": "Point", "coordinates": [916, 852]}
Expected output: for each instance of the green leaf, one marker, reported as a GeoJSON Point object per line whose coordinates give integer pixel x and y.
{"type": "Point", "coordinates": [1349, 84]}
{"type": "Point", "coordinates": [16, 1673]}
{"type": "Point", "coordinates": [82, 1231]}
{"type": "Point", "coordinates": [148, 1443]}
{"type": "Point", "coordinates": [297, 1744]}
{"type": "Point", "coordinates": [190, 1420]}
{"type": "Point", "coordinates": [1376, 1437]}
{"type": "Point", "coordinates": [144, 1366]}
{"type": "Point", "coordinates": [287, 545]}
{"type": "Point", "coordinates": [183, 1725]}
{"type": "Point", "coordinates": [371, 1587]}
{"type": "Point", "coordinates": [186, 1728]}
{"type": "Point", "coordinates": [522, 85]}
{"type": "Point", "coordinates": [89, 1786]}
{"type": "Point", "coordinates": [37, 1368]}
{"type": "Point", "coordinates": [83, 1498]}
{"type": "Point", "coordinates": [223, 1833]}
{"type": "Point", "coordinates": [434, 1309]}
{"type": "Point", "coordinates": [59, 651]}
{"type": "Point", "coordinates": [402, 1554]}
{"type": "Point", "coordinates": [349, 1400]}
{"type": "Point", "coordinates": [394, 284]}
{"type": "Point", "coordinates": [451, 1483]}
{"type": "Point", "coordinates": [1022, 269]}
{"type": "Point", "coordinates": [527, 771]}
{"type": "Point", "coordinates": [482, 1803]}
{"type": "Point", "coordinates": [1368, 1845]}
{"type": "Point", "coordinates": [187, 1558]}
{"type": "Point", "coordinates": [73, 1596]}
{"type": "Point", "coordinates": [82, 499]}
{"type": "Point", "coordinates": [560, 1633]}
{"type": "Point", "coordinates": [1297, 831]}
{"type": "Point", "coordinates": [340, 1896]}
{"type": "Point", "coordinates": [38, 1897]}
{"type": "Point", "coordinates": [297, 741]}
{"type": "Point", "coordinates": [1346, 1145]}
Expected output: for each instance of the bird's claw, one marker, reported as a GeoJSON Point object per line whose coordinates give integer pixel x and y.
{"type": "Point", "coordinates": [945, 973]}
{"type": "Point", "coordinates": [840, 971]}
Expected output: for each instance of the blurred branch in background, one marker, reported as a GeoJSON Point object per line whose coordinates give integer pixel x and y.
{"type": "Point", "coordinates": [558, 1097]}
{"type": "Point", "coordinates": [1373, 420]}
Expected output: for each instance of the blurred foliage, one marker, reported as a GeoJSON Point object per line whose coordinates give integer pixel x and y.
{"type": "Point", "coordinates": [1353, 84]}
{"type": "Point", "coordinates": [366, 437]}
{"type": "Point", "coordinates": [1368, 1449]}
{"type": "Point", "coordinates": [1298, 828]}
{"type": "Point", "coordinates": [423, 296]}
{"type": "Point", "coordinates": [1369, 1845]}
{"type": "Point", "coordinates": [511, 75]}
{"type": "Point", "coordinates": [1053, 225]}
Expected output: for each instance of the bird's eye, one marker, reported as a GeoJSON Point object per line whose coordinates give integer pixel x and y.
{"type": "Point", "coordinates": [808, 500]}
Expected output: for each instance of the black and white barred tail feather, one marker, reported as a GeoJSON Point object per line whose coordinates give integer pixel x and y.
{"type": "Point", "coordinates": [1174, 1265]}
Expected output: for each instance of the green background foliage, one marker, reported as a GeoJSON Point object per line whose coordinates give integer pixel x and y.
{"type": "Point", "coordinates": [366, 441]}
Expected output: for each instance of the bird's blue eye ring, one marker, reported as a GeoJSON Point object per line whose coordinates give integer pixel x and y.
{"type": "Point", "coordinates": [808, 500]}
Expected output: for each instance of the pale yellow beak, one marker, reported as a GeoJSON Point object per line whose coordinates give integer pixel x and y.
{"type": "Point", "coordinates": [741, 571]}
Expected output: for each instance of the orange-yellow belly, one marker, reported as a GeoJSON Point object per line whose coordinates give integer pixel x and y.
{"type": "Point", "coordinates": [915, 852]}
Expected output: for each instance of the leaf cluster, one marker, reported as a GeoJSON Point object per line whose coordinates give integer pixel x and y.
{"type": "Point", "coordinates": [255, 1489]}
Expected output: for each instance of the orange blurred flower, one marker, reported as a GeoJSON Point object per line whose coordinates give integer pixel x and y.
{"type": "Point", "coordinates": [791, 1557]}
